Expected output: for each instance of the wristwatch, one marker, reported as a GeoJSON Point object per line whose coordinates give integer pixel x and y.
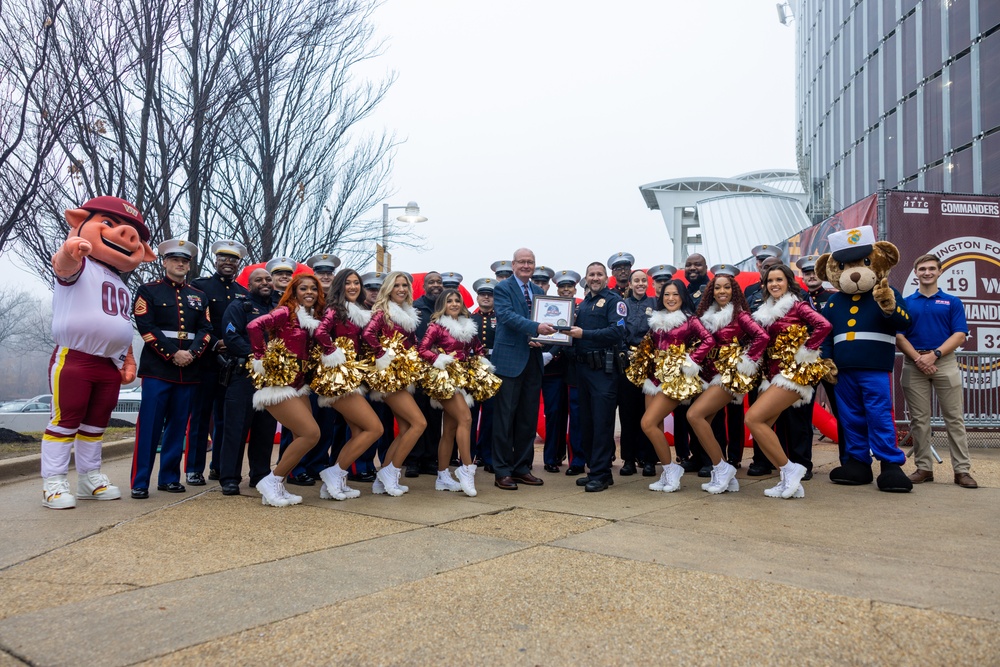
{"type": "Point", "coordinates": [937, 353]}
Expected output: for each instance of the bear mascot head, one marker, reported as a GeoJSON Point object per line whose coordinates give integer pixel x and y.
{"type": "Point", "coordinates": [858, 263]}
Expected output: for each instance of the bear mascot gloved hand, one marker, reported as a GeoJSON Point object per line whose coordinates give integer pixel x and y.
{"type": "Point", "coordinates": [92, 329]}
{"type": "Point", "coordinates": [866, 315]}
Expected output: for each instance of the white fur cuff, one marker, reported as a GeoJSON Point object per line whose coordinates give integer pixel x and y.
{"type": "Point", "coordinates": [747, 366]}
{"type": "Point", "coordinates": [483, 361]}
{"type": "Point", "coordinates": [334, 359]}
{"type": "Point", "coordinates": [806, 356]}
{"type": "Point", "coordinates": [649, 388]}
{"type": "Point", "coordinates": [383, 362]}
{"type": "Point", "coordinates": [258, 366]}
{"type": "Point", "coordinates": [805, 391]}
{"type": "Point", "coordinates": [442, 361]}
{"type": "Point", "coordinates": [689, 368]}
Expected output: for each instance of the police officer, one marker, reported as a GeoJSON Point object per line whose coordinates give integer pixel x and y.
{"type": "Point", "coordinates": [696, 274]}
{"type": "Point", "coordinates": [502, 269]}
{"type": "Point", "coordinates": [209, 401]}
{"type": "Point", "coordinates": [482, 413]}
{"type": "Point", "coordinates": [323, 267]}
{"type": "Point", "coordinates": [240, 417]}
{"type": "Point", "coordinates": [635, 446]}
{"type": "Point", "coordinates": [451, 280]}
{"type": "Point", "coordinates": [281, 270]}
{"type": "Point", "coordinates": [621, 267]}
{"type": "Point", "coordinates": [363, 469]}
{"type": "Point", "coordinates": [598, 334]}
{"type": "Point", "coordinates": [542, 277]}
{"type": "Point", "coordinates": [172, 319]}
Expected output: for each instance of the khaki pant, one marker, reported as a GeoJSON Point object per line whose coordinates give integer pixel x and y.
{"type": "Point", "coordinates": [947, 383]}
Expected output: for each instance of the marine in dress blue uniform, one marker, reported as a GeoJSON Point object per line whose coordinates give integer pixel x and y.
{"type": "Point", "coordinates": [601, 319]}
{"type": "Point", "coordinates": [172, 317]}
{"type": "Point", "coordinates": [209, 400]}
{"type": "Point", "coordinates": [240, 419]}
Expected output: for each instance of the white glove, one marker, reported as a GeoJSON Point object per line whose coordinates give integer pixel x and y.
{"type": "Point", "coordinates": [383, 362]}
{"type": "Point", "coordinates": [689, 368]}
{"type": "Point", "coordinates": [334, 359]}
{"type": "Point", "coordinates": [806, 356]}
{"type": "Point", "coordinates": [747, 366]}
{"type": "Point", "coordinates": [442, 361]}
{"type": "Point", "coordinates": [258, 366]}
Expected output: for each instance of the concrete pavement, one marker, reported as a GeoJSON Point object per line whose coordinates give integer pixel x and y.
{"type": "Point", "coordinates": [546, 575]}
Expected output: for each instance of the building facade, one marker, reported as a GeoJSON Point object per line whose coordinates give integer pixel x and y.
{"type": "Point", "coordinates": [905, 90]}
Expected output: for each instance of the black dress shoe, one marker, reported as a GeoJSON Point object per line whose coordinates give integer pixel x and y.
{"type": "Point", "coordinates": [367, 477]}
{"type": "Point", "coordinates": [305, 479]}
{"type": "Point", "coordinates": [736, 463]}
{"type": "Point", "coordinates": [172, 487]}
{"type": "Point", "coordinates": [705, 471]}
{"type": "Point", "coordinates": [196, 479]}
{"type": "Point", "coordinates": [595, 485]}
{"type": "Point", "coordinates": [429, 468]}
{"type": "Point", "coordinates": [627, 469]}
{"type": "Point", "coordinates": [140, 494]}
{"type": "Point", "coordinates": [213, 474]}
{"type": "Point", "coordinates": [412, 471]}
{"type": "Point", "coordinates": [649, 470]}
{"type": "Point", "coordinates": [806, 477]}
{"type": "Point", "coordinates": [583, 481]}
{"type": "Point", "coordinates": [690, 465]}
{"type": "Point", "coordinates": [573, 471]}
{"type": "Point", "coordinates": [230, 489]}
{"type": "Point", "coordinates": [759, 470]}
{"type": "Point", "coordinates": [549, 468]}
{"type": "Point", "coordinates": [455, 462]}
{"type": "Point", "coordinates": [488, 467]}
{"type": "Point", "coordinates": [506, 483]}
{"type": "Point", "coordinates": [479, 462]}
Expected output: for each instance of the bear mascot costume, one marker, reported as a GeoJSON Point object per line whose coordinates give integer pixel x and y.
{"type": "Point", "coordinates": [92, 329]}
{"type": "Point", "coordinates": [866, 315]}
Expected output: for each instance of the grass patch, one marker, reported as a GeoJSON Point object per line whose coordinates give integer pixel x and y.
{"type": "Point", "coordinates": [10, 449]}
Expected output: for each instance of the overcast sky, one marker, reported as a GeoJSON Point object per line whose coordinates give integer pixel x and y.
{"type": "Point", "coordinates": [533, 123]}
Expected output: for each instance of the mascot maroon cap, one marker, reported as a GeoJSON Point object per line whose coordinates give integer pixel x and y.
{"type": "Point", "coordinates": [121, 209]}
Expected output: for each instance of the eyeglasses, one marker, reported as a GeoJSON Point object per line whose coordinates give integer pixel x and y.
{"type": "Point", "coordinates": [522, 262]}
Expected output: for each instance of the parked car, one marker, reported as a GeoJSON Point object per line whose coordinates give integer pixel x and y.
{"type": "Point", "coordinates": [129, 399]}
{"type": "Point", "coordinates": [12, 406]}
{"type": "Point", "coordinates": [26, 406]}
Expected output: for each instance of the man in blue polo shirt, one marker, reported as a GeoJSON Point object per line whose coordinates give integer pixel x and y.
{"type": "Point", "coordinates": [937, 329]}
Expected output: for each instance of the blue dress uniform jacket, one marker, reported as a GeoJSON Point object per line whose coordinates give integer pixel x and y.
{"type": "Point", "coordinates": [486, 329]}
{"type": "Point", "coordinates": [170, 317]}
{"type": "Point", "coordinates": [220, 292]}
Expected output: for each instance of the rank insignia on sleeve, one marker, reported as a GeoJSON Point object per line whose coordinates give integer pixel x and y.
{"type": "Point", "coordinates": [149, 338]}
{"type": "Point", "coordinates": [141, 308]}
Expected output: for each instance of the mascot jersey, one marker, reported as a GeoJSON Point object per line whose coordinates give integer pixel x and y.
{"type": "Point", "coordinates": [92, 314]}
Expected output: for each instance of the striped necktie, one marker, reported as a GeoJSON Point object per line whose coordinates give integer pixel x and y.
{"type": "Point", "coordinates": [527, 296]}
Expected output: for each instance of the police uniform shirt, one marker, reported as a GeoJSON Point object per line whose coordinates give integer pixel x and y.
{"type": "Point", "coordinates": [637, 320]}
{"type": "Point", "coordinates": [170, 317]}
{"type": "Point", "coordinates": [696, 288]}
{"type": "Point", "coordinates": [220, 292]}
{"type": "Point", "coordinates": [602, 318]}
{"type": "Point", "coordinates": [235, 320]}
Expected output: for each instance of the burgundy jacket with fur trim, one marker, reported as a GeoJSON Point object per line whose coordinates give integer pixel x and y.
{"type": "Point", "coordinates": [456, 338]}
{"type": "Point", "coordinates": [333, 327]}
{"type": "Point", "coordinates": [742, 327]}
{"type": "Point", "coordinates": [688, 332]}
{"type": "Point", "coordinates": [778, 317]}
{"type": "Point", "coordinates": [296, 333]}
{"type": "Point", "coordinates": [381, 327]}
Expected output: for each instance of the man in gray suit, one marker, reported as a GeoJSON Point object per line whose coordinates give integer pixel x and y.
{"type": "Point", "coordinates": [518, 362]}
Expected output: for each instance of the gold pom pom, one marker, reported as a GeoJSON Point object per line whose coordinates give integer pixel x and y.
{"type": "Point", "coordinates": [406, 368]}
{"type": "Point", "coordinates": [343, 379]}
{"type": "Point", "coordinates": [481, 383]}
{"type": "Point", "coordinates": [441, 384]}
{"type": "Point", "coordinates": [727, 365]}
{"type": "Point", "coordinates": [281, 367]}
{"type": "Point", "coordinates": [641, 365]}
{"type": "Point", "coordinates": [668, 370]}
{"type": "Point", "coordinates": [785, 346]}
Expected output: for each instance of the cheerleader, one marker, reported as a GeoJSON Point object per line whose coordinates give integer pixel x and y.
{"type": "Point", "coordinates": [795, 332]}
{"type": "Point", "coordinates": [673, 329]}
{"type": "Point", "coordinates": [292, 323]}
{"type": "Point", "coordinates": [451, 337]}
{"type": "Point", "coordinates": [342, 325]}
{"type": "Point", "coordinates": [739, 346]}
{"type": "Point", "coordinates": [392, 317]}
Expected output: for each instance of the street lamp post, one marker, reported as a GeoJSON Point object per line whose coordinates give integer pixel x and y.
{"type": "Point", "coordinates": [411, 214]}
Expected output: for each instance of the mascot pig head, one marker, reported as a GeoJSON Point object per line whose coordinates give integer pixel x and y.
{"type": "Point", "coordinates": [858, 263]}
{"type": "Point", "coordinates": [108, 229]}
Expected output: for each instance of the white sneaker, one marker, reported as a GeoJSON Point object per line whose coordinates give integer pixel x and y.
{"type": "Point", "coordinates": [723, 479]}
{"type": "Point", "coordinates": [445, 482]}
{"type": "Point", "coordinates": [712, 482]}
{"type": "Point", "coordinates": [56, 495]}
{"type": "Point", "coordinates": [399, 474]}
{"type": "Point", "coordinates": [389, 481]}
{"type": "Point", "coordinates": [377, 487]}
{"type": "Point", "coordinates": [272, 492]}
{"type": "Point", "coordinates": [778, 491]}
{"type": "Point", "coordinates": [290, 497]}
{"type": "Point", "coordinates": [332, 488]}
{"type": "Point", "coordinates": [95, 485]}
{"type": "Point", "coordinates": [348, 491]}
{"type": "Point", "coordinates": [467, 479]}
{"type": "Point", "coordinates": [793, 480]}
{"type": "Point", "coordinates": [660, 483]}
{"type": "Point", "coordinates": [672, 478]}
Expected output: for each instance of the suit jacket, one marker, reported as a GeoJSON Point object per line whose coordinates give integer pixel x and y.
{"type": "Point", "coordinates": [514, 327]}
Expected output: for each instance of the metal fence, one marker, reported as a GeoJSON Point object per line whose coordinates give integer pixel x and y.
{"type": "Point", "coordinates": [981, 396]}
